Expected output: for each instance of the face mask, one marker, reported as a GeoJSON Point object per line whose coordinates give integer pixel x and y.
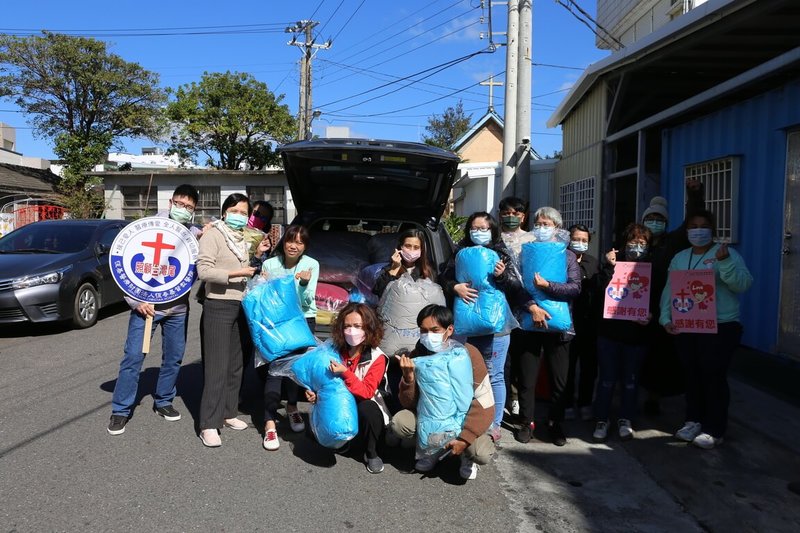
{"type": "Point", "coordinates": [699, 236]}
{"type": "Point", "coordinates": [410, 255]}
{"type": "Point", "coordinates": [544, 233]}
{"type": "Point", "coordinates": [635, 251]}
{"type": "Point", "coordinates": [235, 220]}
{"type": "Point", "coordinates": [255, 222]}
{"type": "Point", "coordinates": [180, 214]}
{"type": "Point", "coordinates": [656, 226]}
{"type": "Point", "coordinates": [511, 222]}
{"type": "Point", "coordinates": [481, 237]}
{"type": "Point", "coordinates": [432, 341]}
{"type": "Point", "coordinates": [354, 336]}
{"type": "Point", "coordinates": [578, 247]}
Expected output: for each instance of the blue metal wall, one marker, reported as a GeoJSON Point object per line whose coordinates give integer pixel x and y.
{"type": "Point", "coordinates": [755, 130]}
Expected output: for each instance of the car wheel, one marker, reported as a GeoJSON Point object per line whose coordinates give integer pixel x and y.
{"type": "Point", "coordinates": [86, 306]}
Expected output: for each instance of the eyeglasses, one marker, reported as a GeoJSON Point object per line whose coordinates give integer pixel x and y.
{"type": "Point", "coordinates": [183, 205]}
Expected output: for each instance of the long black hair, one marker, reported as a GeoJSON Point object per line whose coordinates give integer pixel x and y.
{"type": "Point", "coordinates": [425, 269]}
{"type": "Point", "coordinates": [493, 227]}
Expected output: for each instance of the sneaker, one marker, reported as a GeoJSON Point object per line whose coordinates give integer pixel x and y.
{"type": "Point", "coordinates": [468, 469]}
{"type": "Point", "coordinates": [689, 431]}
{"type": "Point", "coordinates": [494, 433]}
{"type": "Point", "coordinates": [426, 463]}
{"type": "Point", "coordinates": [515, 407]}
{"type": "Point", "coordinates": [210, 438]}
{"type": "Point", "coordinates": [296, 421]}
{"type": "Point", "coordinates": [271, 441]}
{"type": "Point", "coordinates": [569, 414]}
{"type": "Point", "coordinates": [374, 464]}
{"type": "Point", "coordinates": [586, 413]}
{"type": "Point", "coordinates": [116, 426]}
{"type": "Point", "coordinates": [235, 424]}
{"type": "Point", "coordinates": [557, 434]}
{"type": "Point", "coordinates": [625, 429]}
{"type": "Point", "coordinates": [706, 441]}
{"type": "Point", "coordinates": [524, 433]}
{"type": "Point", "coordinates": [600, 431]}
{"type": "Point", "coordinates": [168, 412]}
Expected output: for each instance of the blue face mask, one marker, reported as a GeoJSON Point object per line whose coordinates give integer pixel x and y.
{"type": "Point", "coordinates": [481, 237]}
{"type": "Point", "coordinates": [699, 236]}
{"type": "Point", "coordinates": [656, 226]}
{"type": "Point", "coordinates": [235, 220]}
{"type": "Point", "coordinates": [578, 247]}
{"type": "Point", "coordinates": [544, 233]}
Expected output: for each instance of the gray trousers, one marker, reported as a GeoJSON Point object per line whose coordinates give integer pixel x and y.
{"type": "Point", "coordinates": [404, 426]}
{"type": "Point", "coordinates": [224, 331]}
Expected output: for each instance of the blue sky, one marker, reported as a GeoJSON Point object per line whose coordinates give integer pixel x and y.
{"type": "Point", "coordinates": [374, 43]}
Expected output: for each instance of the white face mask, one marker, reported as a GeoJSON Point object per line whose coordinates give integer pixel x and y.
{"type": "Point", "coordinates": [578, 247]}
{"type": "Point", "coordinates": [432, 341]}
{"type": "Point", "coordinates": [354, 336]}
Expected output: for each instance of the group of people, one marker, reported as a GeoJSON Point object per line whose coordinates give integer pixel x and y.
{"type": "Point", "coordinates": [583, 362]}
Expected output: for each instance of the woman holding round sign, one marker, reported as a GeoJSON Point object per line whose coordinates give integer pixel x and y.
{"type": "Point", "coordinates": [224, 264]}
{"type": "Point", "coordinates": [713, 276]}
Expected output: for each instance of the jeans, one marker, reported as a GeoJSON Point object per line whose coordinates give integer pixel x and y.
{"type": "Point", "coordinates": [173, 343]}
{"type": "Point", "coordinates": [619, 361]}
{"type": "Point", "coordinates": [494, 349]}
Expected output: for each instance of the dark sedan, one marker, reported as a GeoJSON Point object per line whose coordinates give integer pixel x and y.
{"type": "Point", "coordinates": [57, 270]}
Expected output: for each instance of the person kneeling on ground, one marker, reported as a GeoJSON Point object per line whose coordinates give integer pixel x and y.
{"type": "Point", "coordinates": [473, 444]}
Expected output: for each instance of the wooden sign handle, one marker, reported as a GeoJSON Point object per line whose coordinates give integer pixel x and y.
{"type": "Point", "coordinates": [148, 330]}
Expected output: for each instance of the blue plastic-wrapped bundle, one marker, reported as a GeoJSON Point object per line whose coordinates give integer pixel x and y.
{"type": "Point", "coordinates": [334, 418]}
{"type": "Point", "coordinates": [490, 312]}
{"type": "Point", "coordinates": [445, 394]}
{"type": "Point", "coordinates": [549, 259]}
{"type": "Point", "coordinates": [366, 281]}
{"type": "Point", "coordinates": [276, 320]}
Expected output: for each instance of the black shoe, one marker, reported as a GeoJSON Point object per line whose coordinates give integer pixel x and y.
{"type": "Point", "coordinates": [116, 425]}
{"type": "Point", "coordinates": [374, 464]}
{"type": "Point", "coordinates": [168, 412]}
{"type": "Point", "coordinates": [557, 434]}
{"type": "Point", "coordinates": [523, 434]}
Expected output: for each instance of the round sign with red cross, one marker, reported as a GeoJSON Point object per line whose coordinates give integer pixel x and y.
{"type": "Point", "coordinates": [152, 260]}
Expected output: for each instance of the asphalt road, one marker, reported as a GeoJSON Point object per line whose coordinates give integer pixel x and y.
{"type": "Point", "coordinates": [61, 471]}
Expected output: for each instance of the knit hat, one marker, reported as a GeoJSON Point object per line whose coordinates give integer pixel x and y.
{"type": "Point", "coordinates": [658, 206]}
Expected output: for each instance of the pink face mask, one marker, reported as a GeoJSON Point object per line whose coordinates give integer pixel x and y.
{"type": "Point", "coordinates": [255, 222]}
{"type": "Point", "coordinates": [410, 256]}
{"type": "Point", "coordinates": [354, 336]}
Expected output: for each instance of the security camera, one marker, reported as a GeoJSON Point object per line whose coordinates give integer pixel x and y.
{"type": "Point", "coordinates": [526, 140]}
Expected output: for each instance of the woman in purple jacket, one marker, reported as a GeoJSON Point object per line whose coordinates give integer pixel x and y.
{"type": "Point", "coordinates": [555, 345]}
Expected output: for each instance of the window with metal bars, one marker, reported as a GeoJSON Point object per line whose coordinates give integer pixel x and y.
{"type": "Point", "coordinates": [577, 203]}
{"type": "Point", "coordinates": [138, 202]}
{"type": "Point", "coordinates": [275, 196]}
{"type": "Point", "coordinates": [208, 204]}
{"type": "Point", "coordinates": [720, 179]}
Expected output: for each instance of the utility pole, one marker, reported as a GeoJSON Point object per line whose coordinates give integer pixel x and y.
{"type": "Point", "coordinates": [309, 48]}
{"type": "Point", "coordinates": [510, 107]}
{"type": "Point", "coordinates": [492, 84]}
{"type": "Point", "coordinates": [523, 133]}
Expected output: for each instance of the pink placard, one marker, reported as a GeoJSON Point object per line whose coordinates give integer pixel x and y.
{"type": "Point", "coordinates": [692, 301]}
{"type": "Point", "coordinates": [627, 296]}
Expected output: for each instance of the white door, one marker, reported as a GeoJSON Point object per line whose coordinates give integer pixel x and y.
{"type": "Point", "coordinates": [789, 321]}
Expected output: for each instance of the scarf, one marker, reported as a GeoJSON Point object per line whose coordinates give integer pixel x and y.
{"type": "Point", "coordinates": [234, 239]}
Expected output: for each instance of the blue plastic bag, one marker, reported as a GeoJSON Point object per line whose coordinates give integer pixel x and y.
{"type": "Point", "coordinates": [490, 312]}
{"type": "Point", "coordinates": [549, 259]}
{"type": "Point", "coordinates": [276, 320]}
{"type": "Point", "coordinates": [445, 394]}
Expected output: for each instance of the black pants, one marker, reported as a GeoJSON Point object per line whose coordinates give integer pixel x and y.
{"type": "Point", "coordinates": [556, 352]}
{"type": "Point", "coordinates": [706, 359]}
{"type": "Point", "coordinates": [370, 426]}
{"type": "Point", "coordinates": [225, 332]}
{"type": "Point", "coordinates": [583, 354]}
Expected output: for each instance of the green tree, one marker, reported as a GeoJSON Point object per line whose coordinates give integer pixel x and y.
{"type": "Point", "coordinates": [83, 99]}
{"type": "Point", "coordinates": [232, 118]}
{"type": "Point", "coordinates": [445, 129]}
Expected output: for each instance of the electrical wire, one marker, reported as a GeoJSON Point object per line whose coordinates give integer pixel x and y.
{"type": "Point", "coordinates": [348, 21]}
{"type": "Point", "coordinates": [331, 16]}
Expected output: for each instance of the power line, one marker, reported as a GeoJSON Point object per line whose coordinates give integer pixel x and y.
{"type": "Point", "coordinates": [331, 16]}
{"type": "Point", "coordinates": [276, 24]}
{"type": "Point", "coordinates": [348, 20]}
{"type": "Point", "coordinates": [584, 22]}
{"type": "Point", "coordinates": [556, 66]}
{"type": "Point", "coordinates": [156, 33]}
{"type": "Point", "coordinates": [317, 9]}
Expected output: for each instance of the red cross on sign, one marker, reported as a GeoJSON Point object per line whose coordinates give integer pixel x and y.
{"type": "Point", "coordinates": [158, 245]}
{"type": "Point", "coordinates": [618, 283]}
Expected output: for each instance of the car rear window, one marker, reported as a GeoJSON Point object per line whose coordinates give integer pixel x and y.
{"type": "Point", "coordinates": [53, 238]}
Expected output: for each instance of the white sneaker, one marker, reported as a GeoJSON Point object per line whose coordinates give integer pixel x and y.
{"type": "Point", "coordinates": [625, 429]}
{"type": "Point", "coordinates": [586, 413]}
{"type": "Point", "coordinates": [235, 424]}
{"type": "Point", "coordinates": [468, 469]}
{"type": "Point", "coordinates": [271, 441]}
{"type": "Point", "coordinates": [569, 414]}
{"type": "Point", "coordinates": [296, 420]}
{"type": "Point", "coordinates": [210, 438]}
{"type": "Point", "coordinates": [600, 431]}
{"type": "Point", "coordinates": [515, 407]}
{"type": "Point", "coordinates": [426, 463]}
{"type": "Point", "coordinates": [689, 431]}
{"type": "Point", "coordinates": [706, 441]}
